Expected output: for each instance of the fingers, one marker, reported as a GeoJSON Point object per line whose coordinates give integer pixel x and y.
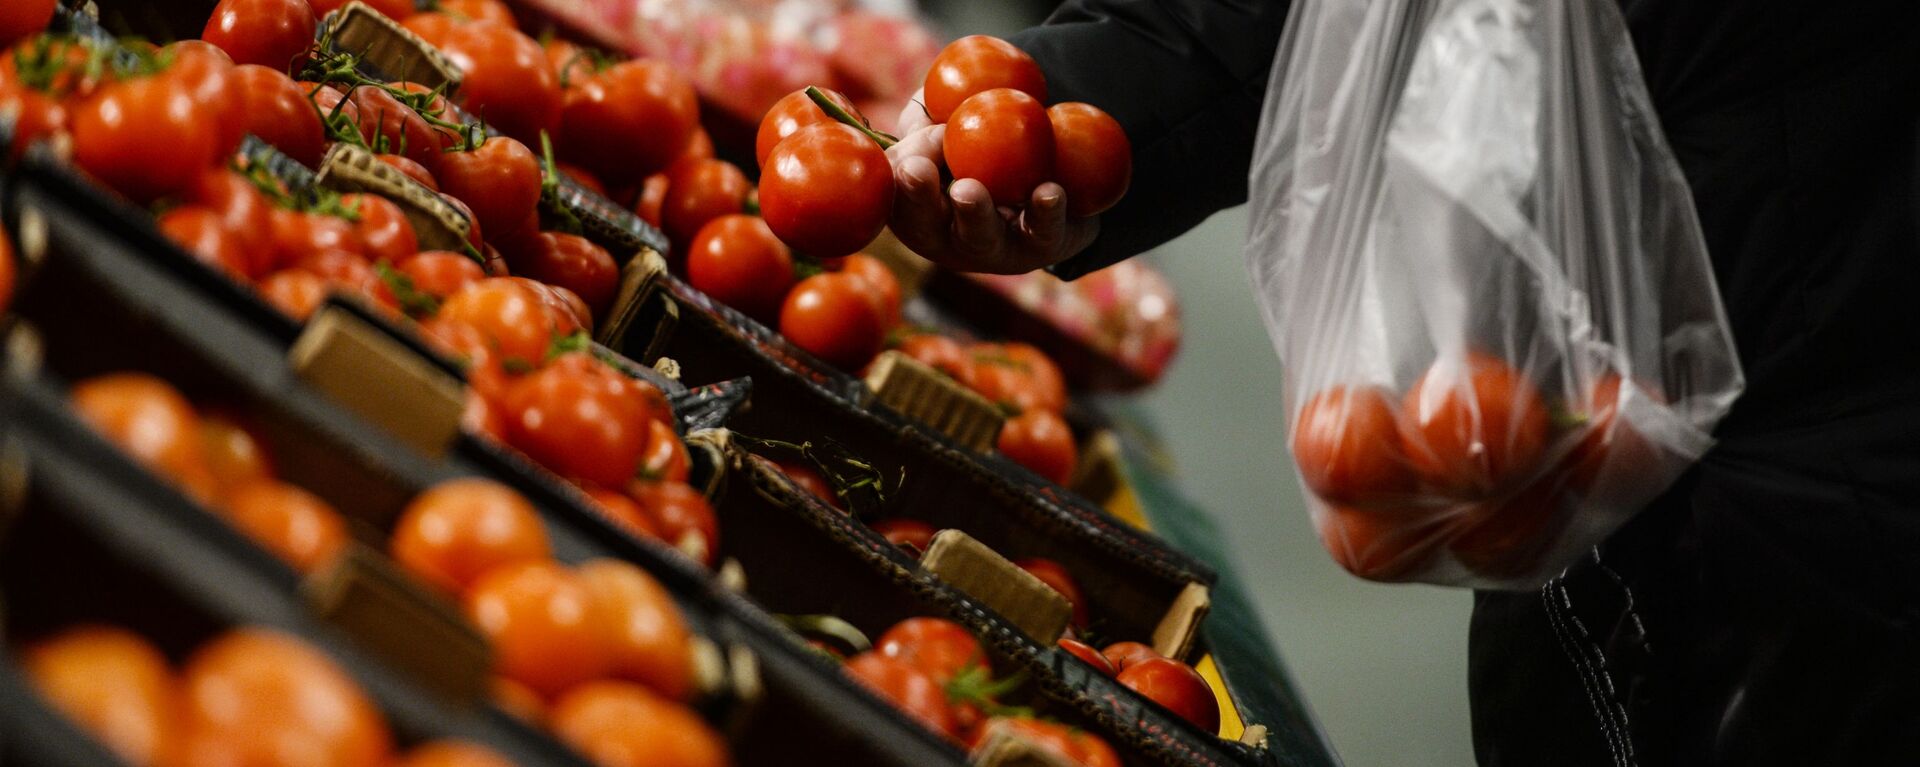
{"type": "Point", "coordinates": [1044, 224]}
{"type": "Point", "coordinates": [913, 116]}
{"type": "Point", "coordinates": [921, 218]}
{"type": "Point", "coordinates": [979, 233]}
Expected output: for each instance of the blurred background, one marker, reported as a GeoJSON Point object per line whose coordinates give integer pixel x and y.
{"type": "Point", "coordinates": [1383, 667]}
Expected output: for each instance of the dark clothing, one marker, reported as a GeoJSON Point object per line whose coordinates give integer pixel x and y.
{"type": "Point", "coordinates": [1764, 610]}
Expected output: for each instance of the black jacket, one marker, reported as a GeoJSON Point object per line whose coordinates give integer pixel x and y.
{"type": "Point", "coordinates": [1763, 611]}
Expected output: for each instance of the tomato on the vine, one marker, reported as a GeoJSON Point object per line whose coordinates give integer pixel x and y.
{"type": "Point", "coordinates": [1057, 578]}
{"type": "Point", "coordinates": [791, 113]}
{"type": "Point", "coordinates": [440, 273]}
{"type": "Point", "coordinates": [620, 724]}
{"type": "Point", "coordinates": [628, 121]}
{"type": "Point", "coordinates": [270, 33]}
{"type": "Point", "coordinates": [292, 523]}
{"type": "Point", "coordinates": [1040, 441]}
{"type": "Point", "coordinates": [1092, 160]}
{"type": "Point", "coordinates": [579, 418]}
{"type": "Point", "coordinates": [391, 127]}
{"type": "Point", "coordinates": [914, 691]}
{"type": "Point", "coordinates": [651, 644]}
{"type": "Point", "coordinates": [1002, 139]}
{"type": "Point", "coordinates": [245, 213]}
{"type": "Point", "coordinates": [832, 317]}
{"type": "Point", "coordinates": [827, 190]}
{"type": "Point", "coordinates": [1474, 427]}
{"type": "Point", "coordinates": [383, 228]}
{"type": "Point", "coordinates": [737, 260]}
{"type": "Point", "coordinates": [517, 320]}
{"type": "Point", "coordinates": [976, 64]}
{"type": "Point", "coordinates": [506, 80]}
{"type": "Point", "coordinates": [699, 191]}
{"type": "Point", "coordinates": [547, 629]}
{"type": "Point", "coordinates": [499, 180]}
{"type": "Point", "coordinates": [938, 647]}
{"type": "Point", "coordinates": [572, 262]}
{"type": "Point", "coordinates": [202, 233]}
{"type": "Point", "coordinates": [458, 530]}
{"type": "Point", "coordinates": [1347, 445]}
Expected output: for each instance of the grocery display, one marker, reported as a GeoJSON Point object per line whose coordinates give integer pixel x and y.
{"type": "Point", "coordinates": [446, 368]}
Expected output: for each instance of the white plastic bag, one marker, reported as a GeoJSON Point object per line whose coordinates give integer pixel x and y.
{"type": "Point", "coordinates": [1467, 231]}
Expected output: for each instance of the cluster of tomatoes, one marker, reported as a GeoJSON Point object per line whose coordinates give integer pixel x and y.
{"type": "Point", "coordinates": [1021, 380]}
{"type": "Point", "coordinates": [1174, 685]}
{"type": "Point", "coordinates": [1473, 434]}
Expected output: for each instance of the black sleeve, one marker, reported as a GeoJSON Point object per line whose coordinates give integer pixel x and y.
{"type": "Point", "coordinates": [1185, 79]}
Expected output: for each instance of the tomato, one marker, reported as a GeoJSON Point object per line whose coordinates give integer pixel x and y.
{"type": "Point", "coordinates": [573, 262]}
{"type": "Point", "coordinates": [204, 70]}
{"type": "Point", "coordinates": [398, 10]}
{"type": "Point", "coordinates": [1505, 538]}
{"type": "Point", "coordinates": [295, 293]}
{"type": "Point", "coordinates": [810, 481]}
{"type": "Point", "coordinates": [1057, 578]}
{"type": "Point", "coordinates": [297, 235]}
{"type": "Point", "coordinates": [791, 113]}
{"type": "Point", "coordinates": [470, 348]}
{"type": "Point", "coordinates": [383, 228]}
{"type": "Point", "coordinates": [622, 511]}
{"type": "Point", "coordinates": [684, 517]}
{"type": "Point", "coordinates": [479, 10]}
{"type": "Point", "coordinates": [914, 691]}
{"type": "Point", "coordinates": [1017, 376]}
{"type": "Point", "coordinates": [737, 260]}
{"type": "Point", "coordinates": [432, 27]}
{"type": "Point", "coordinates": [619, 724]}
{"type": "Point", "coordinates": [547, 630]}
{"type": "Point", "coordinates": [202, 233]}
{"type": "Point", "coordinates": [1121, 655]}
{"type": "Point", "coordinates": [582, 177]}
{"type": "Point", "coordinates": [885, 286]}
{"type": "Point", "coordinates": [1002, 139]}
{"type": "Point", "coordinates": [569, 61]}
{"type": "Point", "coordinates": [1087, 654]}
{"type": "Point", "coordinates": [911, 534]}
{"type": "Point", "coordinates": [1092, 158]}
{"type": "Point", "coordinates": [112, 683]}
{"type": "Point", "coordinates": [256, 696]}
{"type": "Point", "coordinates": [580, 419]}
{"type": "Point", "coordinates": [1386, 545]}
{"type": "Point", "coordinates": [699, 191]}
{"type": "Point", "coordinates": [151, 422]}
{"type": "Point", "coordinates": [1608, 441]}
{"type": "Point", "coordinates": [390, 126]}
{"type": "Point", "coordinates": [628, 121]}
{"type": "Point", "coordinates": [452, 753]}
{"type": "Point", "coordinates": [518, 700]}
{"type": "Point", "coordinates": [245, 214]}
{"type": "Point", "coordinates": [115, 132]}
{"type": "Point", "coordinates": [271, 33]}
{"type": "Point", "coordinates": [1475, 428]}
{"type": "Point", "coordinates": [22, 19]}
{"type": "Point", "coordinates": [1176, 686]}
{"type": "Point", "coordinates": [831, 317]}
{"type": "Point", "coordinates": [506, 80]}
{"type": "Point", "coordinates": [458, 530]}
{"type": "Point", "coordinates": [976, 64]}
{"type": "Point", "coordinates": [288, 521]}
{"type": "Point", "coordinates": [826, 190]}
{"type": "Point", "coordinates": [937, 647]}
{"type": "Point", "coordinates": [39, 116]}
{"type": "Point", "coordinates": [1077, 747]}
{"type": "Point", "coordinates": [940, 353]}
{"type": "Point", "coordinates": [653, 194]}
{"type": "Point", "coordinates": [514, 318]}
{"type": "Point", "coordinates": [1040, 441]}
{"type": "Point", "coordinates": [411, 169]}
{"type": "Point", "coordinates": [499, 181]}
{"type": "Point", "coordinates": [339, 268]}
{"type": "Point", "coordinates": [1347, 445]}
{"type": "Point", "coordinates": [652, 645]}
{"type": "Point", "coordinates": [699, 147]}
{"type": "Point", "coordinates": [666, 457]}
{"type": "Point", "coordinates": [440, 273]}
{"type": "Point", "coordinates": [233, 453]}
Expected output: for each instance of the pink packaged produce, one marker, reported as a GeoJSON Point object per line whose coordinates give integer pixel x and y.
{"type": "Point", "coordinates": [1125, 321]}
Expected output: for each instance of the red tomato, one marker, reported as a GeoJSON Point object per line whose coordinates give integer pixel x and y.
{"type": "Point", "coordinates": [338, 267]}
{"type": "Point", "coordinates": [39, 115]}
{"type": "Point", "coordinates": [271, 33]}
{"type": "Point", "coordinates": [651, 643]}
{"type": "Point", "coordinates": [1076, 746]}
{"type": "Point", "coordinates": [547, 629]}
{"type": "Point", "coordinates": [976, 64]}
{"type": "Point", "coordinates": [245, 214]}
{"type": "Point", "coordinates": [233, 453]}
{"type": "Point", "coordinates": [251, 696]}
{"type": "Point", "coordinates": [575, 263]}
{"type": "Point", "coordinates": [937, 647]}
{"type": "Point", "coordinates": [684, 517]}
{"type": "Point", "coordinates": [398, 10]}
{"type": "Point", "coordinates": [570, 62]}
{"type": "Point", "coordinates": [1002, 139]}
{"type": "Point", "coordinates": [24, 18]}
{"type": "Point", "coordinates": [914, 691]}
{"type": "Point", "coordinates": [474, 237]}
{"type": "Point", "coordinates": [506, 80]}
{"type": "Point", "coordinates": [1121, 655]}
{"type": "Point", "coordinates": [479, 10]}
{"type": "Point", "coordinates": [392, 127]}
{"type": "Point", "coordinates": [580, 419]}
{"type": "Point", "coordinates": [485, 373]}
{"type": "Point", "coordinates": [810, 481]}
{"type": "Point", "coordinates": [1057, 578]}
{"type": "Point", "coordinates": [413, 170]}
{"type": "Point", "coordinates": [297, 235]}
{"type": "Point", "coordinates": [910, 534]}
{"type": "Point", "coordinates": [628, 121]}
{"type": "Point", "coordinates": [737, 260]}
{"type": "Point", "coordinates": [499, 181]}
{"type": "Point", "coordinates": [116, 130]}
{"type": "Point", "coordinates": [433, 27]}
{"type": "Point", "coordinates": [1505, 538]}
{"type": "Point", "coordinates": [831, 317]}
{"type": "Point", "coordinates": [1347, 446]}
{"type": "Point", "coordinates": [617, 724]}
{"type": "Point", "coordinates": [458, 530]}
{"type": "Point", "coordinates": [1046, 389]}
{"type": "Point", "coordinates": [699, 147]}
{"type": "Point", "coordinates": [1176, 686]}
{"type": "Point", "coordinates": [791, 113]}
{"type": "Point", "coordinates": [653, 195]}
{"type": "Point", "coordinates": [1474, 429]}
{"type": "Point", "coordinates": [699, 191]}
{"type": "Point", "coordinates": [1087, 654]}
{"type": "Point", "coordinates": [452, 753]}
{"type": "Point", "coordinates": [941, 353]}
{"type": "Point", "coordinates": [1610, 441]}
{"type": "Point", "coordinates": [383, 228]}
{"type": "Point", "coordinates": [517, 320]}
{"type": "Point", "coordinates": [582, 177]}
{"type": "Point", "coordinates": [290, 522]}
{"type": "Point", "coordinates": [203, 233]}
{"type": "Point", "coordinates": [518, 701]}
{"type": "Point", "coordinates": [826, 190]}
{"type": "Point", "coordinates": [623, 512]}
{"type": "Point", "coordinates": [295, 293]}
{"type": "Point", "coordinates": [1378, 545]}
{"type": "Point", "coordinates": [441, 273]}
{"type": "Point", "coordinates": [886, 287]}
{"type": "Point", "coordinates": [566, 302]}
{"type": "Point", "coordinates": [1040, 441]}
{"type": "Point", "coordinates": [1092, 158]}
{"type": "Point", "coordinates": [112, 683]}
{"type": "Point", "coordinates": [666, 457]}
{"type": "Point", "coordinates": [148, 419]}
{"type": "Point", "coordinates": [204, 70]}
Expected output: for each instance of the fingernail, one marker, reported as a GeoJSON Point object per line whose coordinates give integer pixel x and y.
{"type": "Point", "coordinates": [1050, 199]}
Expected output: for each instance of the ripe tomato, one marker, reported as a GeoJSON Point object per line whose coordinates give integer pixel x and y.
{"type": "Point", "coordinates": [573, 262]}
{"type": "Point", "coordinates": [582, 177]}
{"type": "Point", "coordinates": [653, 195]}
{"type": "Point", "coordinates": [294, 292]}
{"type": "Point", "coordinates": [518, 700]}
{"type": "Point", "coordinates": [623, 512]}
{"type": "Point", "coordinates": [1040, 441]}
{"type": "Point", "coordinates": [1087, 654]}
{"type": "Point", "coordinates": [810, 481]}
{"type": "Point", "coordinates": [910, 534]}
{"type": "Point", "coordinates": [684, 517]}
{"type": "Point", "coordinates": [1092, 158]}
{"type": "Point", "coordinates": [1609, 441]}
{"type": "Point", "coordinates": [398, 10]}
{"type": "Point", "coordinates": [245, 214]}
{"type": "Point", "coordinates": [941, 353]}
{"type": "Point", "coordinates": [1017, 376]}
{"type": "Point", "coordinates": [975, 64]}
{"type": "Point", "coordinates": [292, 523]}
{"type": "Point", "coordinates": [413, 170]}
{"type": "Point", "coordinates": [826, 190]}
{"type": "Point", "coordinates": [506, 80]}
{"type": "Point", "coordinates": [384, 230]}
{"type": "Point", "coordinates": [1347, 446]}
{"type": "Point", "coordinates": [939, 648]}
{"type": "Point", "coordinates": [297, 235]}
{"type": "Point", "coordinates": [151, 422]}
{"type": "Point", "coordinates": [666, 457]}
{"type": "Point", "coordinates": [112, 683]}
{"type": "Point", "coordinates": [1002, 139]}
{"type": "Point", "coordinates": [452, 753]}
{"type": "Point", "coordinates": [204, 70]}
{"type": "Point", "coordinates": [569, 61]}
{"type": "Point", "coordinates": [651, 644]}
{"type": "Point", "coordinates": [202, 233]}
{"type": "Point", "coordinates": [628, 121]}
{"type": "Point", "coordinates": [115, 131]}
{"type": "Point", "coordinates": [1378, 545]}
{"type": "Point", "coordinates": [39, 116]}
{"type": "Point", "coordinates": [233, 453]}
{"type": "Point", "coordinates": [547, 630]}
{"type": "Point", "coordinates": [1505, 538]}
{"type": "Point", "coordinates": [1073, 745]}
{"type": "Point", "coordinates": [499, 181]}
{"type": "Point", "coordinates": [580, 419]}
{"type": "Point", "coordinates": [886, 287]}
{"type": "Point", "coordinates": [479, 10]}
{"type": "Point", "coordinates": [1120, 655]}
{"type": "Point", "coordinates": [619, 724]}
{"type": "Point", "coordinates": [1474, 428]}
{"type": "Point", "coordinates": [737, 260]}
{"type": "Point", "coordinates": [831, 316]}
{"type": "Point", "coordinates": [390, 126]}
{"type": "Point", "coordinates": [699, 191]}
{"type": "Point", "coordinates": [485, 374]}
{"type": "Point", "coordinates": [270, 33]}
{"type": "Point", "coordinates": [338, 267]}
{"type": "Point", "coordinates": [1057, 578]}
{"type": "Point", "coordinates": [22, 19]}
{"type": "Point", "coordinates": [514, 318]}
{"type": "Point", "coordinates": [570, 311]}
{"type": "Point", "coordinates": [699, 147]}
{"type": "Point", "coordinates": [441, 273]}
{"type": "Point", "coordinates": [1176, 686]}
{"type": "Point", "coordinates": [252, 696]}
{"type": "Point", "coordinates": [458, 530]}
{"type": "Point", "coordinates": [914, 691]}
{"type": "Point", "coordinates": [791, 113]}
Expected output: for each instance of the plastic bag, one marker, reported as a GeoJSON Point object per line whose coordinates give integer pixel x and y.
{"type": "Point", "coordinates": [1467, 232]}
